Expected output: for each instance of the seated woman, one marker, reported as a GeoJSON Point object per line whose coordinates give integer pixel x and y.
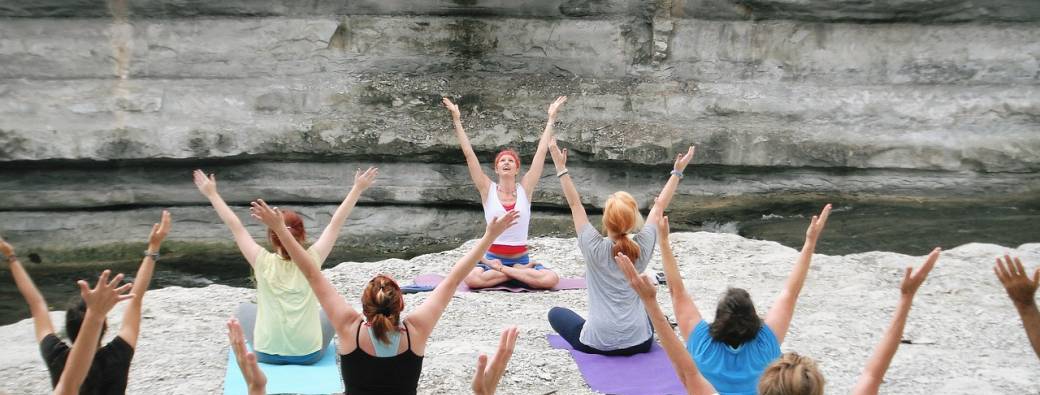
{"type": "Point", "coordinates": [381, 353]}
{"type": "Point", "coordinates": [485, 380]}
{"type": "Point", "coordinates": [285, 326]}
{"type": "Point", "coordinates": [617, 323]}
{"type": "Point", "coordinates": [733, 351]}
{"type": "Point", "coordinates": [111, 365]}
{"type": "Point", "coordinates": [507, 259]}
{"type": "Point", "coordinates": [791, 374]}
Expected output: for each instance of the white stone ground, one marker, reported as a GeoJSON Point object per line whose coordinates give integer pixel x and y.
{"type": "Point", "coordinates": [967, 336]}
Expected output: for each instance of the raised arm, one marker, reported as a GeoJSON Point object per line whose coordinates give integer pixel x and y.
{"type": "Point", "coordinates": [130, 329]}
{"type": "Point", "coordinates": [1022, 291]}
{"type": "Point", "coordinates": [665, 198]}
{"type": "Point", "coordinates": [323, 246]}
{"type": "Point", "coordinates": [530, 179]}
{"type": "Point", "coordinates": [37, 304]}
{"type": "Point", "coordinates": [100, 301]}
{"type": "Point", "coordinates": [485, 380]}
{"type": "Point", "coordinates": [681, 360]}
{"type": "Point", "coordinates": [686, 312]}
{"type": "Point", "coordinates": [426, 315]}
{"type": "Point", "coordinates": [256, 380]}
{"type": "Point", "coordinates": [480, 179]}
{"type": "Point", "coordinates": [559, 158]}
{"type": "Point", "coordinates": [208, 187]}
{"type": "Point", "coordinates": [339, 311]}
{"type": "Point", "coordinates": [779, 316]}
{"type": "Point", "coordinates": [870, 381]}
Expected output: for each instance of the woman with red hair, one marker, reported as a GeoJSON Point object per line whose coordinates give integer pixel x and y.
{"type": "Point", "coordinates": [285, 326]}
{"type": "Point", "coordinates": [381, 352]}
{"type": "Point", "coordinates": [617, 323]}
{"type": "Point", "coordinates": [507, 259]}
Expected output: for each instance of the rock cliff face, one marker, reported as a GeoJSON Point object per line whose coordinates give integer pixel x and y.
{"type": "Point", "coordinates": [106, 107]}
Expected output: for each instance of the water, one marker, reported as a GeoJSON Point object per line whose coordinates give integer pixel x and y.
{"type": "Point", "coordinates": [906, 228]}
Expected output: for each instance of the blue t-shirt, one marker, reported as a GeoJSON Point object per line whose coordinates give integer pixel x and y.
{"type": "Point", "coordinates": [732, 371]}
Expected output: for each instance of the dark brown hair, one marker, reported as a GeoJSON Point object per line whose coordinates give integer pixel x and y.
{"type": "Point", "coordinates": [74, 318]}
{"type": "Point", "coordinates": [381, 303]}
{"type": "Point", "coordinates": [736, 321]}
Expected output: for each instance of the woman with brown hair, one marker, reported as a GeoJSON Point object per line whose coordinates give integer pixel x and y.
{"type": "Point", "coordinates": [375, 357]}
{"type": "Point", "coordinates": [285, 326]}
{"type": "Point", "coordinates": [617, 322]}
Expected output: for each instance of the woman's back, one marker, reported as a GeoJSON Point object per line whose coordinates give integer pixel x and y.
{"type": "Point", "coordinates": [732, 370]}
{"type": "Point", "coordinates": [368, 370]}
{"type": "Point", "coordinates": [287, 318]}
{"type": "Point", "coordinates": [617, 318]}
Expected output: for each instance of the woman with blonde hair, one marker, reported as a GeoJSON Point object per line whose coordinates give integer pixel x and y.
{"type": "Point", "coordinates": [617, 321]}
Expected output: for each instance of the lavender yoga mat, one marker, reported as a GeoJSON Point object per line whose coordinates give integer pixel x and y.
{"type": "Point", "coordinates": [565, 283]}
{"type": "Point", "coordinates": [648, 373]}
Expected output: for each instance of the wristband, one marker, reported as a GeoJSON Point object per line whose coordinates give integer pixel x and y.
{"type": "Point", "coordinates": [562, 173]}
{"type": "Point", "coordinates": [154, 255]}
{"type": "Point", "coordinates": [677, 173]}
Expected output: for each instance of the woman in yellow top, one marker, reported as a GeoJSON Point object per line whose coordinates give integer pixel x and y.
{"type": "Point", "coordinates": [289, 328]}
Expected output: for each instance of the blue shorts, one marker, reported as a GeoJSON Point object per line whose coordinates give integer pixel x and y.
{"type": "Point", "coordinates": [275, 359]}
{"type": "Point", "coordinates": [522, 260]}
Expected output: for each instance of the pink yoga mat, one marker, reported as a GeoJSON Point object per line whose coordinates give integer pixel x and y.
{"type": "Point", "coordinates": [649, 373]}
{"type": "Point", "coordinates": [565, 283]}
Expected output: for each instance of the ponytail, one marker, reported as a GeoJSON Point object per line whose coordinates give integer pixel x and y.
{"type": "Point", "coordinates": [382, 303]}
{"type": "Point", "coordinates": [621, 217]}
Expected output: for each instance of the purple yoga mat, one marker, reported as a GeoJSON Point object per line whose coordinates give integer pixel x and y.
{"type": "Point", "coordinates": [648, 373]}
{"type": "Point", "coordinates": [565, 283]}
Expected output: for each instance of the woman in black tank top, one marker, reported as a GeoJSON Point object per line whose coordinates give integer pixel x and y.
{"type": "Point", "coordinates": [382, 303]}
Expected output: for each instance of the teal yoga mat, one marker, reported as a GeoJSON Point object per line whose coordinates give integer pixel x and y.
{"type": "Point", "coordinates": [320, 378]}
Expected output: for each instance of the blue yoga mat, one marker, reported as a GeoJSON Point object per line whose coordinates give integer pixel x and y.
{"type": "Point", "coordinates": [320, 378]}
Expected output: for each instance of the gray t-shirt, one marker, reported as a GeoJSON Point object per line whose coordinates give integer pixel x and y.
{"type": "Point", "coordinates": [617, 318]}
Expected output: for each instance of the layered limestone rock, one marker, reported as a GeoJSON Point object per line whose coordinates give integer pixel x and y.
{"type": "Point", "coordinates": [105, 108]}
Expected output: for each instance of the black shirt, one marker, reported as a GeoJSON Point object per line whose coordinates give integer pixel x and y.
{"type": "Point", "coordinates": [108, 373]}
{"type": "Point", "coordinates": [365, 374]}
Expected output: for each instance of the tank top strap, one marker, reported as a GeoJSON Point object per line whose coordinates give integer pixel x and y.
{"type": "Point", "coordinates": [357, 336]}
{"type": "Point", "coordinates": [408, 335]}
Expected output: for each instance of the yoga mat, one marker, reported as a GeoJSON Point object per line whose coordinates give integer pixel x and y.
{"type": "Point", "coordinates": [564, 284]}
{"type": "Point", "coordinates": [648, 373]}
{"type": "Point", "coordinates": [320, 378]}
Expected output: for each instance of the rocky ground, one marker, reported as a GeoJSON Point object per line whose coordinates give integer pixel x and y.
{"type": "Point", "coordinates": [965, 335]}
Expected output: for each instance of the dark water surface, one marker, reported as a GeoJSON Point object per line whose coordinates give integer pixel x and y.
{"type": "Point", "coordinates": [907, 229]}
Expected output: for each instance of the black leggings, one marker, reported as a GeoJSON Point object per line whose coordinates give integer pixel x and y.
{"type": "Point", "coordinates": [568, 324]}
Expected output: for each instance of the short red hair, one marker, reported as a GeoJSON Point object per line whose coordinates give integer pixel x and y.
{"type": "Point", "coordinates": [510, 152]}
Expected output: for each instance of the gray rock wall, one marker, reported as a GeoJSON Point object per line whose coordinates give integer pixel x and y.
{"type": "Point", "coordinates": [105, 107]}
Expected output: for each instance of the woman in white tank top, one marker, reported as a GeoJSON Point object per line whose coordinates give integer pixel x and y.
{"type": "Point", "coordinates": [507, 259]}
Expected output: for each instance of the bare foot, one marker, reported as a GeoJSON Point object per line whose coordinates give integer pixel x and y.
{"type": "Point", "coordinates": [494, 264]}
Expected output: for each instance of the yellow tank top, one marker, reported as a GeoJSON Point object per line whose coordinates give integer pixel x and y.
{"type": "Point", "coordinates": [287, 320]}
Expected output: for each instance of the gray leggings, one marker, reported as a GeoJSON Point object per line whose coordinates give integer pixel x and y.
{"type": "Point", "coordinates": [247, 317]}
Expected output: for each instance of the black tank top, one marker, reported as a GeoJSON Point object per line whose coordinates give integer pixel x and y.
{"type": "Point", "coordinates": [365, 374]}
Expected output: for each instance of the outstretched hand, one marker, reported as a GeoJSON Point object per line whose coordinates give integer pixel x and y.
{"type": "Point", "coordinates": [642, 284]}
{"type": "Point", "coordinates": [554, 108]}
{"type": "Point", "coordinates": [364, 180]}
{"type": "Point", "coordinates": [486, 379]}
{"type": "Point", "coordinates": [255, 378]}
{"type": "Point", "coordinates": [559, 156]}
{"type": "Point", "coordinates": [682, 160]}
{"type": "Point", "coordinates": [452, 108]}
{"type": "Point", "coordinates": [812, 234]}
{"type": "Point", "coordinates": [6, 248]}
{"type": "Point", "coordinates": [912, 281]}
{"type": "Point", "coordinates": [105, 294]}
{"type": "Point", "coordinates": [663, 228]}
{"type": "Point", "coordinates": [206, 185]}
{"type": "Point", "coordinates": [159, 231]}
{"type": "Point", "coordinates": [500, 224]}
{"type": "Point", "coordinates": [272, 217]}
{"type": "Point", "coordinates": [1012, 274]}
